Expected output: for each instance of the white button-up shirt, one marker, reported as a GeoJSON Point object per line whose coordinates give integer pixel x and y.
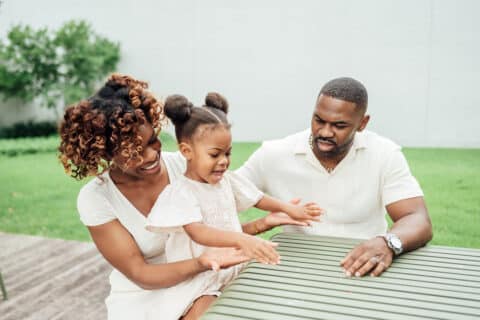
{"type": "Point", "coordinates": [373, 174]}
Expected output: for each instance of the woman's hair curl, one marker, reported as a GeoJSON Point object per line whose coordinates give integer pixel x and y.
{"type": "Point", "coordinates": [96, 130]}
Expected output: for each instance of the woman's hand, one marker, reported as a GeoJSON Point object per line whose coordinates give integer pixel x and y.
{"type": "Point", "coordinates": [219, 258]}
{"type": "Point", "coordinates": [259, 249]}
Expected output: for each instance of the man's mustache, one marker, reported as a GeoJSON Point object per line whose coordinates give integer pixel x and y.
{"type": "Point", "coordinates": [326, 140]}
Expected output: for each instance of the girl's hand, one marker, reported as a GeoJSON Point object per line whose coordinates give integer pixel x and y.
{"type": "Point", "coordinates": [261, 250]}
{"type": "Point", "coordinates": [307, 212]}
{"type": "Point", "coordinates": [219, 258]}
{"type": "Point", "coordinates": [275, 219]}
{"type": "Point", "coordinates": [313, 210]}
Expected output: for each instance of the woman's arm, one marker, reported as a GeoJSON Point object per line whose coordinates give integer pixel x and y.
{"type": "Point", "coordinates": [120, 249]}
{"type": "Point", "coordinates": [262, 250]}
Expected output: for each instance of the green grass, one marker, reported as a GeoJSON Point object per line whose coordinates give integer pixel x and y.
{"type": "Point", "coordinates": [450, 179]}
{"type": "Point", "coordinates": [36, 197]}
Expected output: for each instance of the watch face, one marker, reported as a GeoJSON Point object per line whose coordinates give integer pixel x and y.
{"type": "Point", "coordinates": [396, 243]}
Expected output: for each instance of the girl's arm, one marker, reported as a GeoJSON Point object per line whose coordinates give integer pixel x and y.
{"type": "Point", "coordinates": [306, 212]}
{"type": "Point", "coordinates": [262, 250]}
{"type": "Point", "coordinates": [272, 220]}
{"type": "Point", "coordinates": [120, 249]}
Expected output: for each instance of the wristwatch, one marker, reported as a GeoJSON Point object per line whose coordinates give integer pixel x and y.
{"type": "Point", "coordinates": [394, 243]}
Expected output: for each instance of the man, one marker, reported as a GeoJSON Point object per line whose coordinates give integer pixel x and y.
{"type": "Point", "coordinates": [355, 175]}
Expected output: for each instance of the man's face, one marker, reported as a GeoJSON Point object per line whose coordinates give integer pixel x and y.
{"type": "Point", "coordinates": [334, 123]}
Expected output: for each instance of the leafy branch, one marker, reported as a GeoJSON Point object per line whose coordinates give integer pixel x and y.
{"type": "Point", "coordinates": [62, 66]}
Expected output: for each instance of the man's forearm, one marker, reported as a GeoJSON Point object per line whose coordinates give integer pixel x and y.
{"type": "Point", "coordinates": [415, 230]}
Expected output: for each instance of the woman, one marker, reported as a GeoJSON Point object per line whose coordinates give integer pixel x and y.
{"type": "Point", "coordinates": [113, 136]}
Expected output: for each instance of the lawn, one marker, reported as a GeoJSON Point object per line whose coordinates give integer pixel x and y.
{"type": "Point", "coordinates": [36, 197]}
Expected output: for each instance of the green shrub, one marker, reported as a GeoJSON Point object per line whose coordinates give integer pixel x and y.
{"type": "Point", "coordinates": [20, 146]}
{"type": "Point", "coordinates": [55, 66]}
{"type": "Point", "coordinates": [29, 129]}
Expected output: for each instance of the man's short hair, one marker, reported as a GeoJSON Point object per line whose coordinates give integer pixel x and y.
{"type": "Point", "coordinates": [347, 89]}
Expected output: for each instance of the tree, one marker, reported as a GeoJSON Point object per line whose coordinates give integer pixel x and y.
{"type": "Point", "coordinates": [62, 66]}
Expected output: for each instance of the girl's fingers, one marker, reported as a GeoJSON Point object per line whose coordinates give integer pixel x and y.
{"type": "Point", "coordinates": [269, 252]}
{"type": "Point", "coordinates": [313, 208]}
{"type": "Point", "coordinates": [313, 217]}
{"type": "Point", "coordinates": [313, 211]}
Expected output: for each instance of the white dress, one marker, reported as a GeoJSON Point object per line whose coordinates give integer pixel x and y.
{"type": "Point", "coordinates": [186, 201]}
{"type": "Point", "coordinates": [99, 202]}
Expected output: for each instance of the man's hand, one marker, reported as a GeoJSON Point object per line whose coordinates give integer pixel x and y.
{"type": "Point", "coordinates": [219, 258]}
{"type": "Point", "coordinates": [372, 256]}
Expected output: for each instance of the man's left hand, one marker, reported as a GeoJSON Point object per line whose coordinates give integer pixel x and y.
{"type": "Point", "coordinates": [372, 256]}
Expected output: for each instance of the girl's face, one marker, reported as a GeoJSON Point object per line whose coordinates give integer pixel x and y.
{"type": "Point", "coordinates": [208, 155]}
{"type": "Point", "coordinates": [151, 148]}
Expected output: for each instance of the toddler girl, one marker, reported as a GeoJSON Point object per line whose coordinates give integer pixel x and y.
{"type": "Point", "coordinates": [200, 208]}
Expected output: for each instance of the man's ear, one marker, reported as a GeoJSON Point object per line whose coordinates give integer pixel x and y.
{"type": "Point", "coordinates": [363, 123]}
{"type": "Point", "coordinates": [186, 150]}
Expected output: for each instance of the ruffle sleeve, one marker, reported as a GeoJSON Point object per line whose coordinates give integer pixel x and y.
{"type": "Point", "coordinates": [93, 204]}
{"type": "Point", "coordinates": [175, 207]}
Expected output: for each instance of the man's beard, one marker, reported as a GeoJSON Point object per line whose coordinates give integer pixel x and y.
{"type": "Point", "coordinates": [337, 151]}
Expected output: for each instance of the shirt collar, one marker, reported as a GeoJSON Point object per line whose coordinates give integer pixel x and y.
{"type": "Point", "coordinates": [303, 144]}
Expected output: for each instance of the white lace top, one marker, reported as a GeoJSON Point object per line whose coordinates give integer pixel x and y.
{"type": "Point", "coordinates": [186, 201]}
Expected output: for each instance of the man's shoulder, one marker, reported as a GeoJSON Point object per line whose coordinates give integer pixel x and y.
{"type": "Point", "coordinates": [287, 143]}
{"type": "Point", "coordinates": [376, 143]}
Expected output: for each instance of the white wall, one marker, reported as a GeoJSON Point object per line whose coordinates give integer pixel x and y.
{"type": "Point", "coordinates": [417, 58]}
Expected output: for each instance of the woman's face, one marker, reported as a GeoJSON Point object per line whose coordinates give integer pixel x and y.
{"type": "Point", "coordinates": [151, 150]}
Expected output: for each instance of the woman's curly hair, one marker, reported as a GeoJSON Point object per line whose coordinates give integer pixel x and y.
{"type": "Point", "coordinates": [96, 130]}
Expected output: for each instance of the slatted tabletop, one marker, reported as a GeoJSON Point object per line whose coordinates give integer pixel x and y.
{"type": "Point", "coordinates": [433, 282]}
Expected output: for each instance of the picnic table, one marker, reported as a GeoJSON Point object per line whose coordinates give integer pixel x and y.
{"type": "Point", "coordinates": [433, 282]}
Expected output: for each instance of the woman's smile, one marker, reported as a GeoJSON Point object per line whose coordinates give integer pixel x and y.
{"type": "Point", "coordinates": [152, 166]}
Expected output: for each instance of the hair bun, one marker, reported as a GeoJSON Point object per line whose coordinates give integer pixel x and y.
{"type": "Point", "coordinates": [217, 101]}
{"type": "Point", "coordinates": [177, 108]}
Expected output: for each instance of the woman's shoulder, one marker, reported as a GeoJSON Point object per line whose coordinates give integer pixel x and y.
{"type": "Point", "coordinates": [95, 188]}
{"type": "Point", "coordinates": [93, 202]}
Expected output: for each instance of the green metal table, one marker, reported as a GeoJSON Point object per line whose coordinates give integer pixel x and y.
{"type": "Point", "coordinates": [433, 282]}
